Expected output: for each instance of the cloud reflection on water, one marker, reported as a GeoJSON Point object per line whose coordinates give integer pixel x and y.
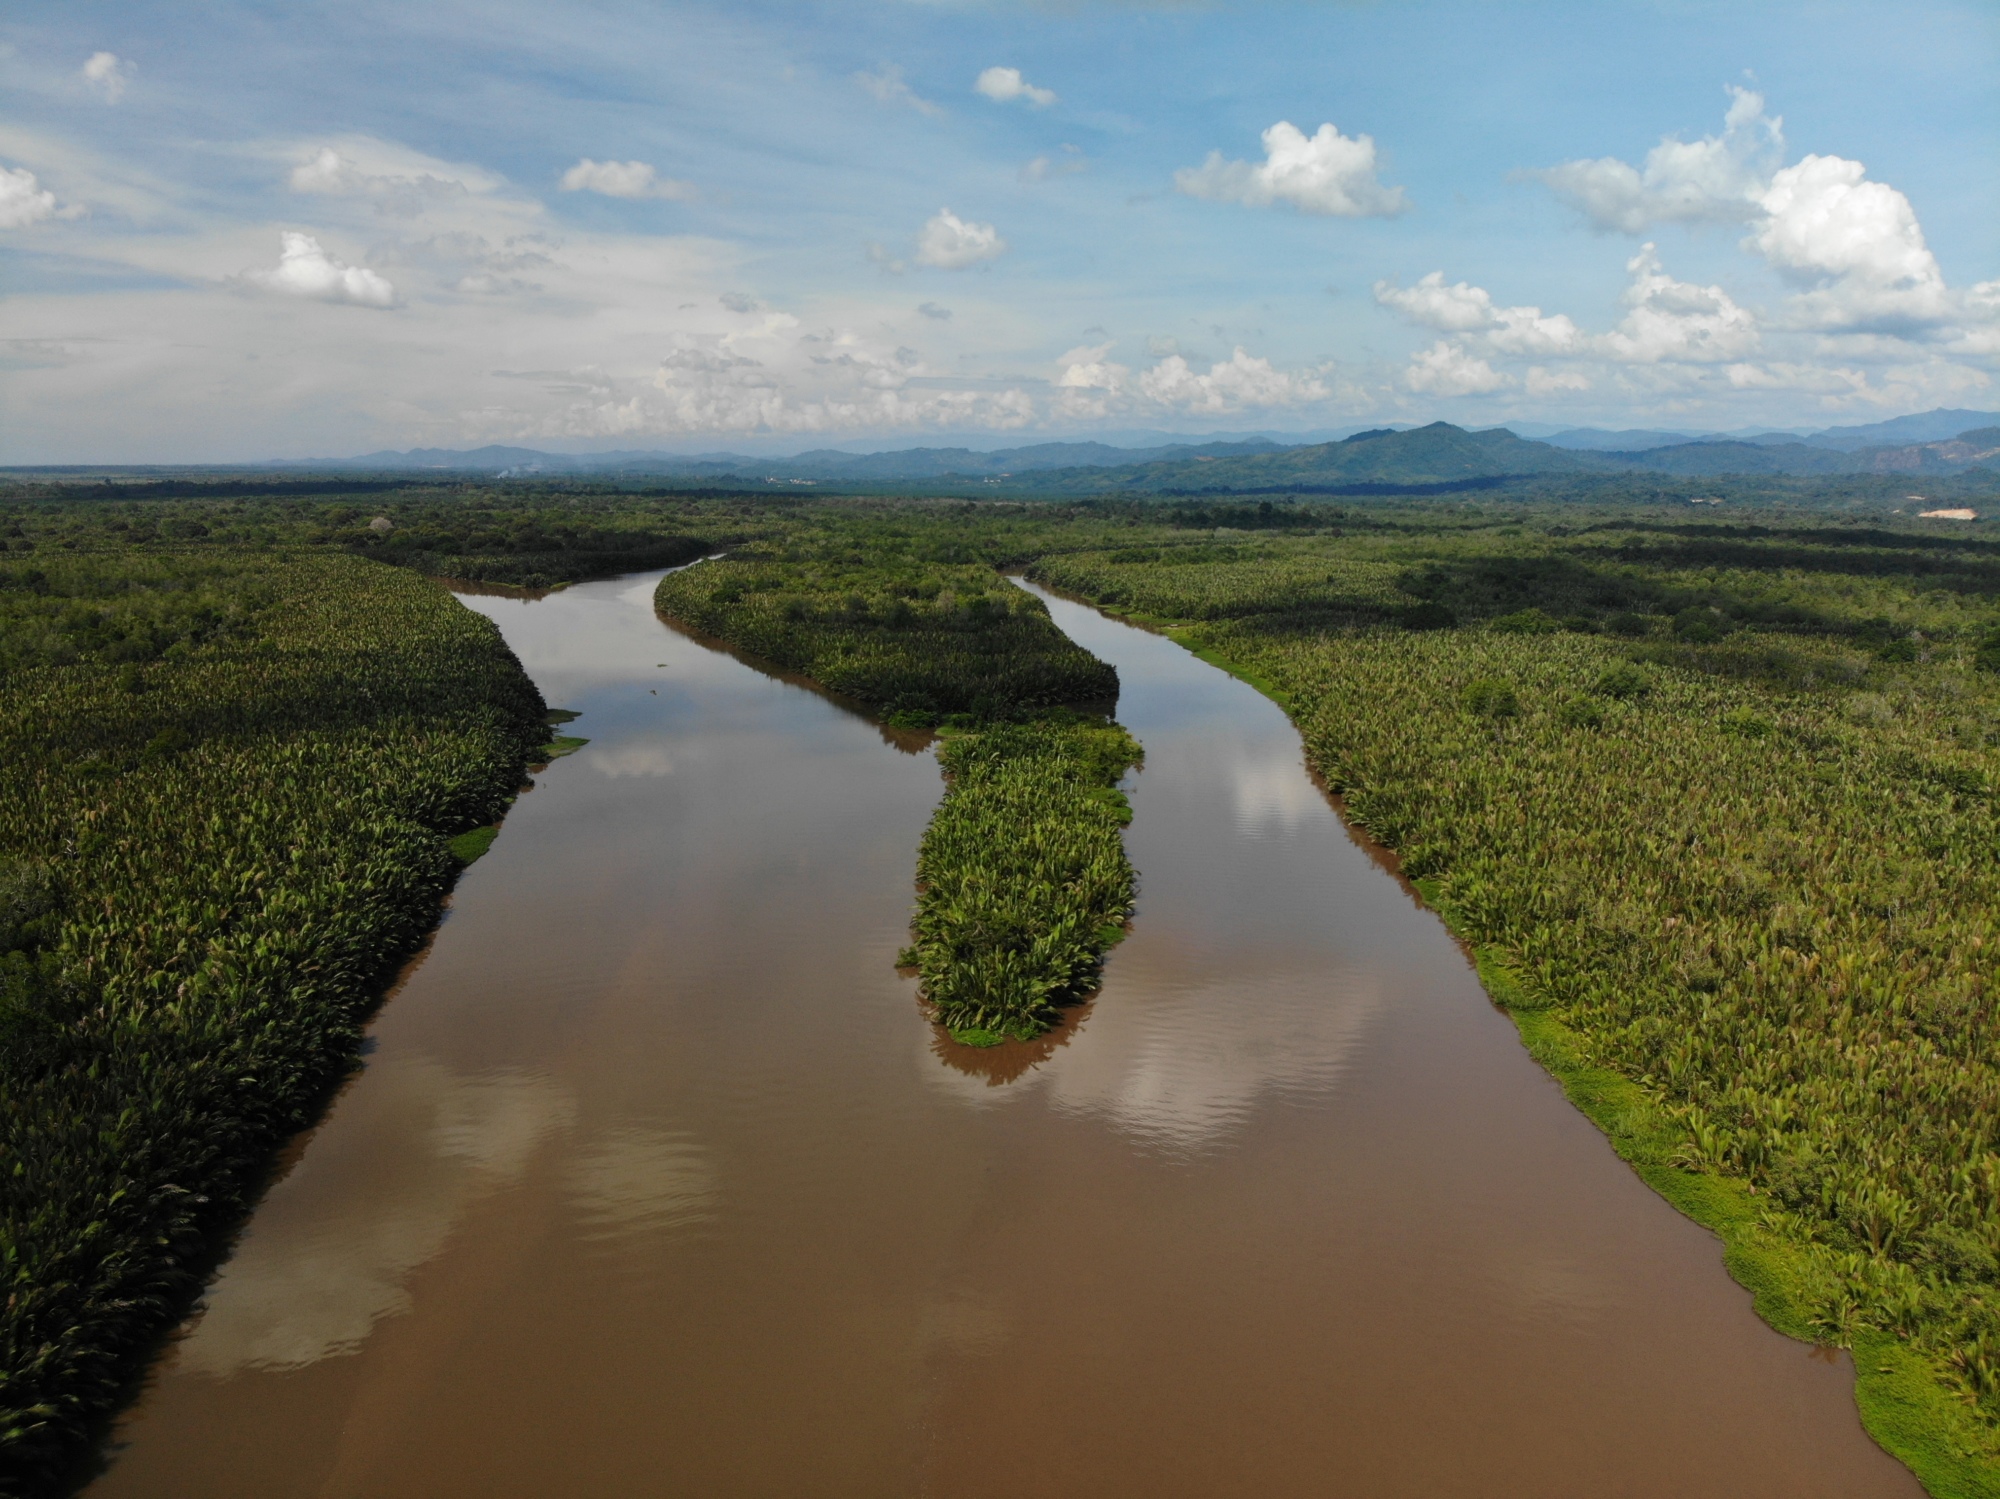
{"type": "Point", "coordinates": [638, 1181]}
{"type": "Point", "coordinates": [1178, 1053]}
{"type": "Point", "coordinates": [331, 1251]}
{"type": "Point", "coordinates": [1271, 792]}
{"type": "Point", "coordinates": [328, 1254]}
{"type": "Point", "coordinates": [631, 758]}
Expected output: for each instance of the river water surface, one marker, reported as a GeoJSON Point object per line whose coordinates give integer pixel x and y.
{"type": "Point", "coordinates": [657, 1183]}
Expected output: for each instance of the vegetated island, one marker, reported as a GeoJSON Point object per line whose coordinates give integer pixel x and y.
{"type": "Point", "coordinates": [1023, 882]}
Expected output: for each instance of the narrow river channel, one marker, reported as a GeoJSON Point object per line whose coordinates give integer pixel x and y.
{"type": "Point", "coordinates": [656, 1182]}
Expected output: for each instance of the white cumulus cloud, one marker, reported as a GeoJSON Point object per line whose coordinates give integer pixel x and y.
{"type": "Point", "coordinates": [951, 243]}
{"type": "Point", "coordinates": [1089, 383]}
{"type": "Point", "coordinates": [1447, 369]}
{"type": "Point", "coordinates": [1852, 247]}
{"type": "Point", "coordinates": [1856, 243]}
{"type": "Point", "coordinates": [1525, 330]}
{"type": "Point", "coordinates": [306, 270]}
{"type": "Point", "coordinates": [1717, 179]}
{"type": "Point", "coordinates": [1004, 84]}
{"type": "Point", "coordinates": [1450, 309]}
{"type": "Point", "coordinates": [109, 74]}
{"type": "Point", "coordinates": [1678, 321]}
{"type": "Point", "coordinates": [1326, 173]}
{"type": "Point", "coordinates": [1087, 368]}
{"type": "Point", "coordinates": [623, 179]}
{"type": "Point", "coordinates": [1237, 383]}
{"type": "Point", "coordinates": [1464, 308]}
{"type": "Point", "coordinates": [23, 199]}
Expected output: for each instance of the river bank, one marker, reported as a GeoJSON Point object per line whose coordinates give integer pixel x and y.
{"type": "Point", "coordinates": [1919, 1417]}
{"type": "Point", "coordinates": [227, 820]}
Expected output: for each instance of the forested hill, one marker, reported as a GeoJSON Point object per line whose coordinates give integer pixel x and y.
{"type": "Point", "coordinates": [1442, 456]}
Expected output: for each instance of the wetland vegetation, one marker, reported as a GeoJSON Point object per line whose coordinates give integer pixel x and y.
{"type": "Point", "coordinates": [1716, 804]}
{"type": "Point", "coordinates": [1022, 877]}
{"type": "Point", "coordinates": [1712, 791]}
{"type": "Point", "coordinates": [230, 783]}
{"type": "Point", "coordinates": [909, 620]}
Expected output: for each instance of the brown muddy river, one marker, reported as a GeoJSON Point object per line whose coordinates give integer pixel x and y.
{"type": "Point", "coordinates": [657, 1183]}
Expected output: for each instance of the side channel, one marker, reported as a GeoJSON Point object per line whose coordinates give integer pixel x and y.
{"type": "Point", "coordinates": [656, 1182]}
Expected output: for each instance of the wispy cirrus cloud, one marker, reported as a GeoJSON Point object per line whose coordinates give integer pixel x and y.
{"type": "Point", "coordinates": [886, 85]}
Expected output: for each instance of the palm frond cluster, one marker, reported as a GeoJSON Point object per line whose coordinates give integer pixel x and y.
{"type": "Point", "coordinates": [914, 637]}
{"type": "Point", "coordinates": [230, 781]}
{"type": "Point", "coordinates": [1022, 876]}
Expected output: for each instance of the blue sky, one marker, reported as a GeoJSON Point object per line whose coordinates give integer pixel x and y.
{"type": "Point", "coordinates": [246, 231]}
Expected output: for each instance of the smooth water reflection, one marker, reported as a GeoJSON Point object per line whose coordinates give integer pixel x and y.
{"type": "Point", "coordinates": [656, 1181]}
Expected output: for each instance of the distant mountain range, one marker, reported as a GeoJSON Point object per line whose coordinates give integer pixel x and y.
{"type": "Point", "coordinates": [1441, 456]}
{"type": "Point", "coordinates": [1925, 426]}
{"type": "Point", "coordinates": [1384, 458]}
{"type": "Point", "coordinates": [819, 464]}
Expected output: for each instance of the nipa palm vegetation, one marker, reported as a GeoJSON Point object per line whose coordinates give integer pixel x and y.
{"type": "Point", "coordinates": [1022, 876]}
{"type": "Point", "coordinates": [1714, 799]}
{"type": "Point", "coordinates": [1023, 880]}
{"type": "Point", "coordinates": [1718, 807]}
{"type": "Point", "coordinates": [518, 538]}
{"type": "Point", "coordinates": [913, 637]}
{"type": "Point", "coordinates": [230, 781]}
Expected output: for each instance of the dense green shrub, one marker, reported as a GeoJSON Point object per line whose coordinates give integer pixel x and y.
{"type": "Point", "coordinates": [1622, 679]}
{"type": "Point", "coordinates": [1490, 697]}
